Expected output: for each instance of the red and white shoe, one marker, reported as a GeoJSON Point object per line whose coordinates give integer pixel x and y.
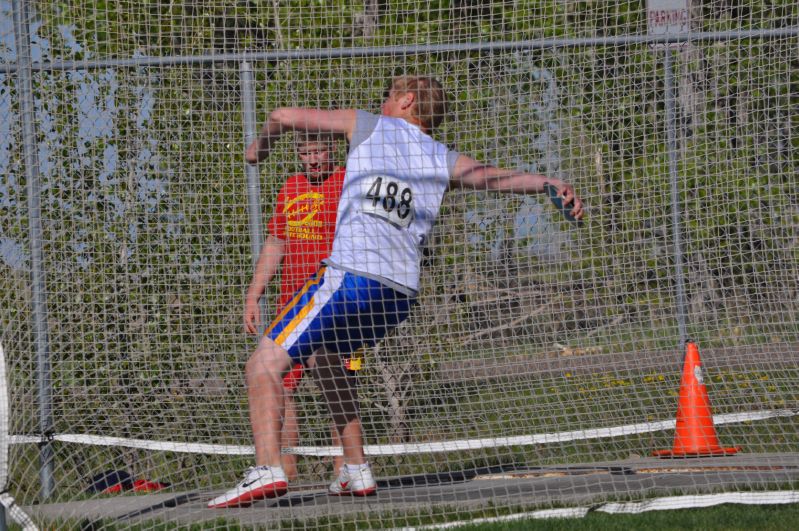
{"type": "Point", "coordinates": [360, 483]}
{"type": "Point", "coordinates": [259, 483]}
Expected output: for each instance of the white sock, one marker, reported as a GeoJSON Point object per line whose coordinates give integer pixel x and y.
{"type": "Point", "coordinates": [354, 469]}
{"type": "Point", "coordinates": [270, 469]}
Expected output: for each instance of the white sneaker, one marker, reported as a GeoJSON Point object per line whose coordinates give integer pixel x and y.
{"type": "Point", "coordinates": [259, 482]}
{"type": "Point", "coordinates": [353, 483]}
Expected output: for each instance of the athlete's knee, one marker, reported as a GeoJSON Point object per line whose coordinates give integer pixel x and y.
{"type": "Point", "coordinates": [268, 362]}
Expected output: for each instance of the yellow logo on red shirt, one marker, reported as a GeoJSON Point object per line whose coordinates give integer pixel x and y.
{"type": "Point", "coordinates": [300, 214]}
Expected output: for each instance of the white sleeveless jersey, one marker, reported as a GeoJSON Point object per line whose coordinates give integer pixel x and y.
{"type": "Point", "coordinates": [395, 181]}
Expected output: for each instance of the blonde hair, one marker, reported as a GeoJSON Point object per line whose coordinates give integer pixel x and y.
{"type": "Point", "coordinates": [430, 98]}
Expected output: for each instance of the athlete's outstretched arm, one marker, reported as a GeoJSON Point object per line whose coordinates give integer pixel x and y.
{"type": "Point", "coordinates": [469, 173]}
{"type": "Point", "coordinates": [286, 119]}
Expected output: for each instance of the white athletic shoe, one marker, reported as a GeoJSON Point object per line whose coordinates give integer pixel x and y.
{"type": "Point", "coordinates": [259, 482]}
{"type": "Point", "coordinates": [353, 483]}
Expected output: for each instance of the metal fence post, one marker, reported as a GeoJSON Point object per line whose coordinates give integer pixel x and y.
{"type": "Point", "coordinates": [35, 235]}
{"type": "Point", "coordinates": [253, 176]}
{"type": "Point", "coordinates": [671, 147]}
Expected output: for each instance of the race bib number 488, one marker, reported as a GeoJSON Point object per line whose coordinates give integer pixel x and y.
{"type": "Point", "coordinates": [389, 198]}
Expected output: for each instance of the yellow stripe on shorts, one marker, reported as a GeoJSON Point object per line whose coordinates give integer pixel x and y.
{"type": "Point", "coordinates": [293, 302]}
{"type": "Point", "coordinates": [294, 322]}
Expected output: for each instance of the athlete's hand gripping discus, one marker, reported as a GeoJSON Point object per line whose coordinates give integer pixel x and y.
{"type": "Point", "coordinates": [557, 200]}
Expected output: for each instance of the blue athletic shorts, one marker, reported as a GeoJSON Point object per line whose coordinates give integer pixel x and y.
{"type": "Point", "coordinates": [338, 310]}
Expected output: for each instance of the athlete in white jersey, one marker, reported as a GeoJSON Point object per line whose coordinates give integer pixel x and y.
{"type": "Point", "coordinates": [395, 182]}
{"type": "Point", "coordinates": [396, 177]}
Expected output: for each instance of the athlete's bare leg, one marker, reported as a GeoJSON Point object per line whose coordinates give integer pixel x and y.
{"type": "Point", "coordinates": [338, 461]}
{"type": "Point", "coordinates": [341, 395]}
{"type": "Point", "coordinates": [264, 377]}
{"type": "Point", "coordinates": [291, 437]}
{"type": "Point", "coordinates": [352, 442]}
{"type": "Point", "coordinates": [291, 434]}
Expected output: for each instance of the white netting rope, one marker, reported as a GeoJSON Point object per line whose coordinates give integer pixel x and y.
{"type": "Point", "coordinates": [6, 499]}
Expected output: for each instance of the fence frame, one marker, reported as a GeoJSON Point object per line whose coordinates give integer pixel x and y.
{"type": "Point", "coordinates": [24, 67]}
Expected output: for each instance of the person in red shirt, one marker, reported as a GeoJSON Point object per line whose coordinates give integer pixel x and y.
{"type": "Point", "coordinates": [300, 236]}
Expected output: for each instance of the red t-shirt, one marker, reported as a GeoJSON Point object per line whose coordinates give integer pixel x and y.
{"type": "Point", "coordinates": [305, 219]}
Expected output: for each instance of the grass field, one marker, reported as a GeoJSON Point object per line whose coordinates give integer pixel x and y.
{"type": "Point", "coordinates": [726, 517]}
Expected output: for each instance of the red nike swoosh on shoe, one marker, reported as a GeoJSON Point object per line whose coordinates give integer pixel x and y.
{"type": "Point", "coordinates": [343, 484]}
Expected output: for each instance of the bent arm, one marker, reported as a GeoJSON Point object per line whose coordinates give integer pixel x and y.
{"type": "Point", "coordinates": [286, 119]}
{"type": "Point", "coordinates": [470, 173]}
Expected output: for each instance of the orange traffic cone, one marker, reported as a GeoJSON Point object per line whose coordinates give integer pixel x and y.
{"type": "Point", "coordinates": [695, 435]}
